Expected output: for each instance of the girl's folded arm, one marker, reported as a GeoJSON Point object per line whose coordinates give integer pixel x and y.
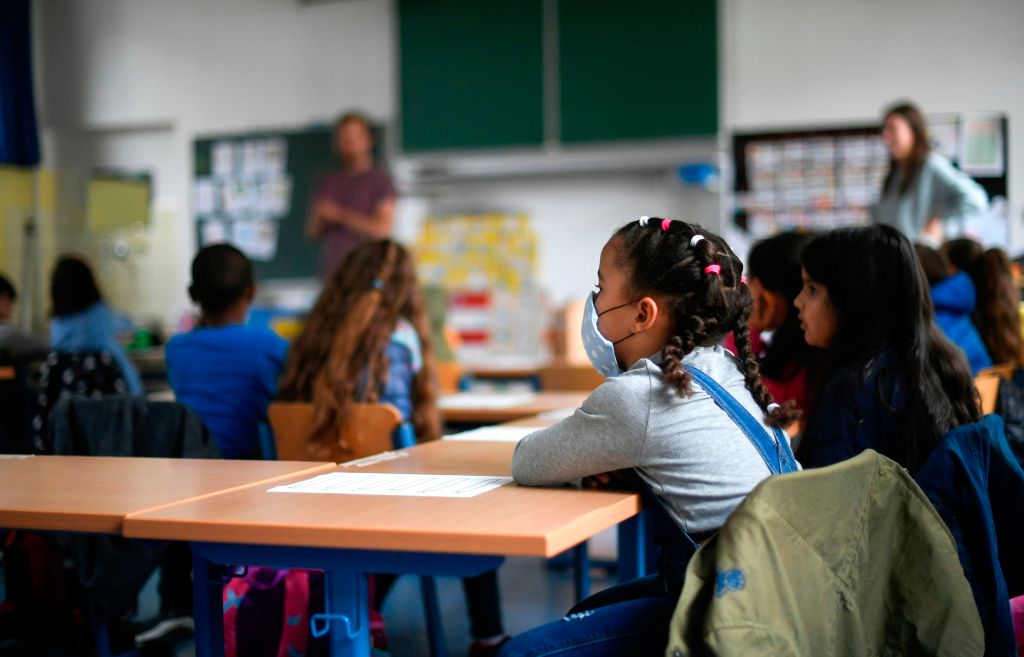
{"type": "Point", "coordinates": [606, 433]}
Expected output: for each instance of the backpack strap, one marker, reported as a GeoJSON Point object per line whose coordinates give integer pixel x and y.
{"type": "Point", "coordinates": [295, 624]}
{"type": "Point", "coordinates": [777, 453]}
{"type": "Point", "coordinates": [234, 594]}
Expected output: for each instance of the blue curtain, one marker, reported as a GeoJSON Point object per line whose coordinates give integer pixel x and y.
{"type": "Point", "coordinates": [19, 137]}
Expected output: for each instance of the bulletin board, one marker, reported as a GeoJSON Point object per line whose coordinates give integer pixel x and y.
{"type": "Point", "coordinates": [254, 189]}
{"type": "Point", "coordinates": [824, 178]}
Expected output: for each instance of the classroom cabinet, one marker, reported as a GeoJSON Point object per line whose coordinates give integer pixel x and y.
{"type": "Point", "coordinates": [506, 74]}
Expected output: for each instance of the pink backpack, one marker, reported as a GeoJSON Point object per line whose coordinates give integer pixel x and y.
{"type": "Point", "coordinates": [267, 614]}
{"type": "Point", "coordinates": [1017, 613]}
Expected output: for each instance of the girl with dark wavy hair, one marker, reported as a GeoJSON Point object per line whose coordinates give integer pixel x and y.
{"type": "Point", "coordinates": [695, 425]}
{"type": "Point", "coordinates": [894, 382]}
{"type": "Point", "coordinates": [367, 340]}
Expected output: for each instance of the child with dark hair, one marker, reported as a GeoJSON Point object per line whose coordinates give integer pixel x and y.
{"type": "Point", "coordinates": [12, 339]}
{"type": "Point", "coordinates": [694, 424]}
{"type": "Point", "coordinates": [953, 297]}
{"type": "Point", "coordinates": [82, 321]}
{"type": "Point", "coordinates": [223, 370]}
{"type": "Point", "coordinates": [774, 282]}
{"type": "Point", "coordinates": [894, 383]}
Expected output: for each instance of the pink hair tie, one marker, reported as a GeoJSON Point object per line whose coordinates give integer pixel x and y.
{"type": "Point", "coordinates": [743, 279]}
{"type": "Point", "coordinates": [665, 223]}
{"type": "Point", "coordinates": [713, 269]}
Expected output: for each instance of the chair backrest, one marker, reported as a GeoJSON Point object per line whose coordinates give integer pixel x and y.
{"type": "Point", "coordinates": [566, 377]}
{"type": "Point", "coordinates": [449, 375]}
{"type": "Point", "coordinates": [1004, 370]}
{"type": "Point", "coordinates": [988, 389]}
{"type": "Point", "coordinates": [366, 430]}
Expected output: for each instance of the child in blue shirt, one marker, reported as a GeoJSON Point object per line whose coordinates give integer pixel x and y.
{"type": "Point", "coordinates": [223, 370]}
{"type": "Point", "coordinates": [82, 321]}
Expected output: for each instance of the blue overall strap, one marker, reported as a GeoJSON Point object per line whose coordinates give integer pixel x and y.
{"type": "Point", "coordinates": [777, 454]}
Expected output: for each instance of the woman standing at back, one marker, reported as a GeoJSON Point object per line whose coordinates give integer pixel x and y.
{"type": "Point", "coordinates": [922, 191]}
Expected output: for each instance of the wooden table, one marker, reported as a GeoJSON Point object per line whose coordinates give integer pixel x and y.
{"type": "Point", "coordinates": [490, 408]}
{"type": "Point", "coordinates": [352, 535]}
{"type": "Point", "coordinates": [95, 493]}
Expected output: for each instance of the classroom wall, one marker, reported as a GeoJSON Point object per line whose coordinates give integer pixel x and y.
{"type": "Point", "coordinates": [827, 62]}
{"type": "Point", "coordinates": [133, 82]}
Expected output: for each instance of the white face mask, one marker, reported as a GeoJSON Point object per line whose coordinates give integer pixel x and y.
{"type": "Point", "coordinates": [600, 350]}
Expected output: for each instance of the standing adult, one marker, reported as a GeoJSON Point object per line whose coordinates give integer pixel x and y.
{"type": "Point", "coordinates": [354, 203]}
{"type": "Point", "coordinates": [923, 192]}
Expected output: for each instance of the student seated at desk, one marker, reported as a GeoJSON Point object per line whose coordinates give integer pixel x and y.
{"type": "Point", "coordinates": [697, 426]}
{"type": "Point", "coordinates": [954, 299]}
{"type": "Point", "coordinates": [894, 383]}
{"type": "Point", "coordinates": [83, 322]}
{"type": "Point", "coordinates": [13, 339]}
{"type": "Point", "coordinates": [997, 313]}
{"type": "Point", "coordinates": [368, 340]}
{"type": "Point", "coordinates": [224, 370]}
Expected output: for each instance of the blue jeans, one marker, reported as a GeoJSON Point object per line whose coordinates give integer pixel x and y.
{"type": "Point", "coordinates": [629, 620]}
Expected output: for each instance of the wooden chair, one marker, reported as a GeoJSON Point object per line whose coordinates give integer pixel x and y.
{"type": "Point", "coordinates": [566, 377]}
{"type": "Point", "coordinates": [988, 389]}
{"type": "Point", "coordinates": [1004, 370]}
{"type": "Point", "coordinates": [367, 430]}
{"type": "Point", "coordinates": [449, 376]}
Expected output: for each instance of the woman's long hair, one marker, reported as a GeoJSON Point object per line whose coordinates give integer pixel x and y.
{"type": "Point", "coordinates": [340, 357]}
{"type": "Point", "coordinates": [918, 154]}
{"type": "Point", "coordinates": [998, 310]}
{"type": "Point", "coordinates": [883, 305]}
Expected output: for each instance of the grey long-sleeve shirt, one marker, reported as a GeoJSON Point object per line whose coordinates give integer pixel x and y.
{"type": "Point", "coordinates": [694, 457]}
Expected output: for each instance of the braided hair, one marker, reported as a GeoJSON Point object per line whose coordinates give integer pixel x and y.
{"type": "Point", "coordinates": [707, 298]}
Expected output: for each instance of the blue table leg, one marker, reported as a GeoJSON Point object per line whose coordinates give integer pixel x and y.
{"type": "Point", "coordinates": [633, 547]}
{"type": "Point", "coordinates": [435, 628]}
{"type": "Point", "coordinates": [346, 614]}
{"type": "Point", "coordinates": [208, 592]}
{"type": "Point", "coordinates": [581, 571]}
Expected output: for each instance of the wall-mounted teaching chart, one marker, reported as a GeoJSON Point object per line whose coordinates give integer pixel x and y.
{"type": "Point", "coordinates": [253, 191]}
{"type": "Point", "coordinates": [821, 179]}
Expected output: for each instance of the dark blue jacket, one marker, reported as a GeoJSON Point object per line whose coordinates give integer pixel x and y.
{"type": "Point", "coordinates": [858, 409]}
{"type": "Point", "coordinates": [954, 300]}
{"type": "Point", "coordinates": [977, 487]}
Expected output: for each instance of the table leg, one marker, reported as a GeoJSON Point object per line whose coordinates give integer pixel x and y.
{"type": "Point", "coordinates": [633, 548]}
{"type": "Point", "coordinates": [208, 592]}
{"type": "Point", "coordinates": [346, 614]}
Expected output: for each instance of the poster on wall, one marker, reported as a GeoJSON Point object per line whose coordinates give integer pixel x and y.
{"type": "Point", "coordinates": [245, 197]}
{"type": "Point", "coordinates": [818, 179]}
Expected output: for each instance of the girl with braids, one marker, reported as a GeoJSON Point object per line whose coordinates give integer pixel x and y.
{"type": "Point", "coordinates": [696, 426]}
{"type": "Point", "coordinates": [894, 383]}
{"type": "Point", "coordinates": [367, 339]}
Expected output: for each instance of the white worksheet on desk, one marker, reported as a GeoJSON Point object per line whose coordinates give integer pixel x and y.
{"type": "Point", "coordinates": [498, 434]}
{"type": "Point", "coordinates": [474, 400]}
{"type": "Point", "coordinates": [411, 485]}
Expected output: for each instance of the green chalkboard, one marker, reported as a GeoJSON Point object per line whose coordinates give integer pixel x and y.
{"type": "Point", "coordinates": [645, 69]}
{"type": "Point", "coordinates": [471, 73]}
{"type": "Point", "coordinates": [308, 156]}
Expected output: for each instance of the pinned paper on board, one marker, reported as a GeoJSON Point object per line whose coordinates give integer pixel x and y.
{"type": "Point", "coordinates": [981, 145]}
{"type": "Point", "coordinates": [213, 231]}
